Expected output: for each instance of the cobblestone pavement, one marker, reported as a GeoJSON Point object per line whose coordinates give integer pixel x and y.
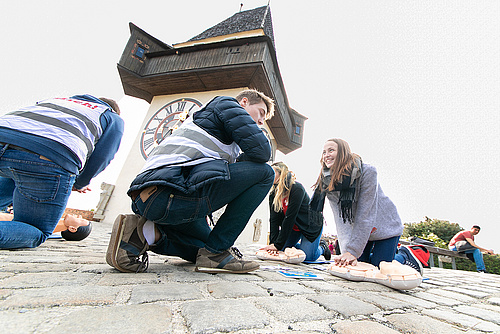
{"type": "Point", "coordinates": [67, 287]}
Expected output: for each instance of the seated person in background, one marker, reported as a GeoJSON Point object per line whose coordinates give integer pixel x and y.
{"type": "Point", "coordinates": [289, 217]}
{"type": "Point", "coordinates": [459, 242]}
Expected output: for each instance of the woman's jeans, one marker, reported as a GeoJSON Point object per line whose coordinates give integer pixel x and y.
{"type": "Point", "coordinates": [380, 250]}
{"type": "Point", "coordinates": [39, 191]}
{"type": "Point", "coordinates": [181, 218]}
{"type": "Point", "coordinates": [312, 249]}
{"type": "Point", "coordinates": [478, 257]}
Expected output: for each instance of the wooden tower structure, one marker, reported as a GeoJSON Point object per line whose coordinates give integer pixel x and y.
{"type": "Point", "coordinates": [236, 54]}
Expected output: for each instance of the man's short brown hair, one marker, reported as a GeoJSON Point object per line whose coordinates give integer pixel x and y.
{"type": "Point", "coordinates": [254, 97]}
{"type": "Point", "coordinates": [112, 103]}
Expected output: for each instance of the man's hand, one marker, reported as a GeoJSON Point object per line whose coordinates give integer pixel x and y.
{"type": "Point", "coordinates": [82, 190]}
{"type": "Point", "coordinates": [345, 259]}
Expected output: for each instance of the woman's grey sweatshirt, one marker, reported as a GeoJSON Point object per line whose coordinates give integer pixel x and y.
{"type": "Point", "coordinates": [375, 217]}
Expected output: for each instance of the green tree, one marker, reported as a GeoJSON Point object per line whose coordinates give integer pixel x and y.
{"type": "Point", "coordinates": [443, 229]}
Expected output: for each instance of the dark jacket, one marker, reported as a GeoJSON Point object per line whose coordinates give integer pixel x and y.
{"type": "Point", "coordinates": [296, 214]}
{"type": "Point", "coordinates": [226, 120]}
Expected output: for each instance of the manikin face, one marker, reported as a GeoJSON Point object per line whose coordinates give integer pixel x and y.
{"type": "Point", "coordinates": [256, 111]}
{"type": "Point", "coordinates": [329, 153]}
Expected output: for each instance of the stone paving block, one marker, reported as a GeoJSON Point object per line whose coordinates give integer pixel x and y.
{"type": "Point", "coordinates": [485, 289]}
{"type": "Point", "coordinates": [381, 301]}
{"type": "Point", "coordinates": [356, 327]}
{"type": "Point", "coordinates": [208, 316]}
{"type": "Point", "coordinates": [363, 286]}
{"type": "Point", "coordinates": [480, 313]}
{"type": "Point", "coordinates": [436, 282]}
{"type": "Point", "coordinates": [494, 300]}
{"type": "Point", "coordinates": [463, 320]}
{"type": "Point", "coordinates": [271, 275]}
{"type": "Point", "coordinates": [183, 276]}
{"type": "Point", "coordinates": [39, 267]}
{"type": "Point", "coordinates": [297, 309]}
{"type": "Point", "coordinates": [25, 321]}
{"type": "Point", "coordinates": [345, 305]}
{"type": "Point", "coordinates": [47, 279]}
{"type": "Point", "coordinates": [436, 299]}
{"type": "Point", "coordinates": [235, 290]}
{"type": "Point", "coordinates": [145, 318]}
{"type": "Point", "coordinates": [465, 291]}
{"type": "Point", "coordinates": [418, 324]}
{"type": "Point", "coordinates": [55, 296]}
{"type": "Point", "coordinates": [4, 293]}
{"type": "Point", "coordinates": [323, 286]}
{"type": "Point", "coordinates": [38, 259]}
{"type": "Point", "coordinates": [148, 293]}
{"type": "Point", "coordinates": [452, 295]}
{"type": "Point", "coordinates": [119, 278]}
{"type": "Point", "coordinates": [96, 268]}
{"type": "Point", "coordinates": [5, 275]}
{"type": "Point", "coordinates": [411, 300]}
{"type": "Point", "coordinates": [249, 277]}
{"type": "Point", "coordinates": [285, 288]}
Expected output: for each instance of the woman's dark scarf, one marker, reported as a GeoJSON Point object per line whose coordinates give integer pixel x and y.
{"type": "Point", "coordinates": [346, 186]}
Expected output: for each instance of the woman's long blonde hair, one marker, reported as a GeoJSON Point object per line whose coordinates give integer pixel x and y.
{"type": "Point", "coordinates": [282, 188]}
{"type": "Point", "coordinates": [342, 165]}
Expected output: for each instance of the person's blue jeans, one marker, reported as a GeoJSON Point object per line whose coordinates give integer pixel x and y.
{"type": "Point", "coordinates": [478, 257]}
{"type": "Point", "coordinates": [380, 250]}
{"type": "Point", "coordinates": [39, 191]}
{"type": "Point", "coordinates": [312, 249]}
{"type": "Point", "coordinates": [181, 218]}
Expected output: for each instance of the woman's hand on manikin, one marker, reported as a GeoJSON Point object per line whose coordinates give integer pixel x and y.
{"type": "Point", "coordinates": [345, 259]}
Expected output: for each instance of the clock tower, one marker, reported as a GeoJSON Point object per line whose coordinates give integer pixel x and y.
{"type": "Point", "coordinates": [177, 80]}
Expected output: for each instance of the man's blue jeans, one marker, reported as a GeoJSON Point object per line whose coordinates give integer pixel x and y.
{"type": "Point", "coordinates": [478, 257]}
{"type": "Point", "coordinates": [312, 249]}
{"type": "Point", "coordinates": [380, 250]}
{"type": "Point", "coordinates": [181, 218]}
{"type": "Point", "coordinates": [39, 191]}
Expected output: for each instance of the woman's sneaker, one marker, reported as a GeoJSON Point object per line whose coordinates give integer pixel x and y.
{"type": "Point", "coordinates": [229, 261]}
{"type": "Point", "coordinates": [127, 249]}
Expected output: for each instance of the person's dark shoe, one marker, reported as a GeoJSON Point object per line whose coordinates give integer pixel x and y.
{"type": "Point", "coordinates": [327, 254]}
{"type": "Point", "coordinates": [127, 249]}
{"type": "Point", "coordinates": [229, 261]}
{"type": "Point", "coordinates": [411, 260]}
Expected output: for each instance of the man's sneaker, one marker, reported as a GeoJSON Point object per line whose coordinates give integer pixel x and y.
{"type": "Point", "coordinates": [327, 254]}
{"type": "Point", "coordinates": [410, 259]}
{"type": "Point", "coordinates": [127, 249]}
{"type": "Point", "coordinates": [229, 261]}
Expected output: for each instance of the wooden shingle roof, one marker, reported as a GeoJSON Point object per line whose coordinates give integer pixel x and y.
{"type": "Point", "coordinates": [258, 18]}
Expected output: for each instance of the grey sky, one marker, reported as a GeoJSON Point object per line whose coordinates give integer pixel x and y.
{"type": "Point", "coordinates": [414, 87]}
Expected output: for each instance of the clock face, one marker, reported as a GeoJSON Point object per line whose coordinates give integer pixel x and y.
{"type": "Point", "coordinates": [164, 121]}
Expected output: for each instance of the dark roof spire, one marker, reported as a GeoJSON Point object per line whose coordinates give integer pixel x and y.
{"type": "Point", "coordinates": [257, 18]}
